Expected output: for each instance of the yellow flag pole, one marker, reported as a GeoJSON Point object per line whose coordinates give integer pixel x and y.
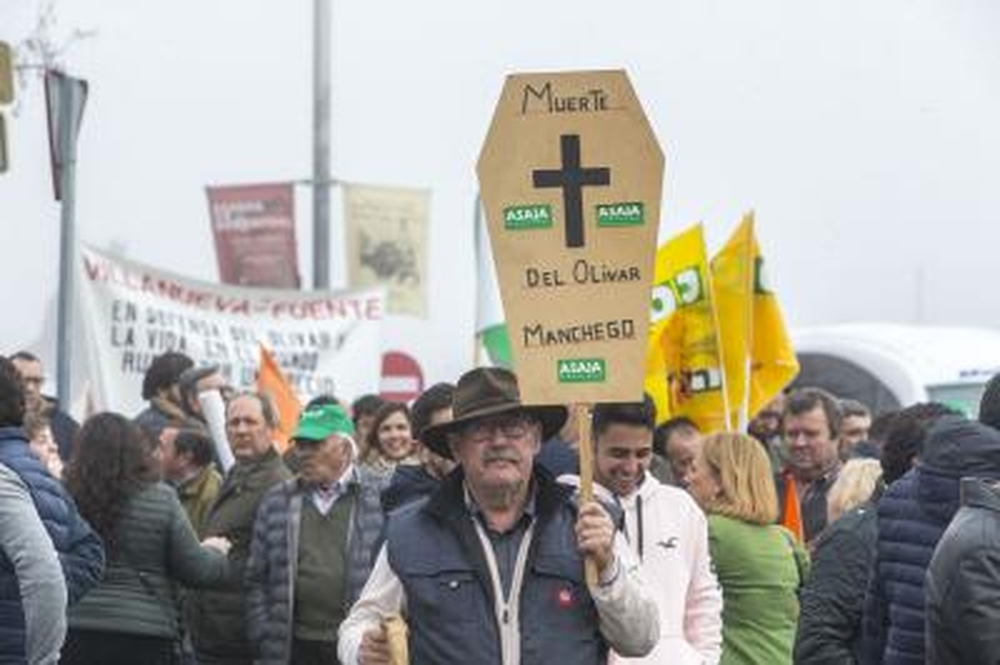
{"type": "Point", "coordinates": [586, 451]}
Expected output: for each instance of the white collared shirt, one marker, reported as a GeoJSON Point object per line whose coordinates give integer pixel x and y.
{"type": "Point", "coordinates": [324, 499]}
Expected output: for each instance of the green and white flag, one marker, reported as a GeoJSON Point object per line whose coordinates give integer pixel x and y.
{"type": "Point", "coordinates": [491, 327]}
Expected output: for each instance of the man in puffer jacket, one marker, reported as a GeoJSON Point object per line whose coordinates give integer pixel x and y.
{"type": "Point", "coordinates": [312, 545]}
{"type": "Point", "coordinates": [912, 516]}
{"type": "Point", "coordinates": [833, 598]}
{"type": "Point", "coordinates": [80, 550]}
{"type": "Point", "coordinates": [963, 590]}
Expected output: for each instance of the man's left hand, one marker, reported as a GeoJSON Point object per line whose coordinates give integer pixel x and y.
{"type": "Point", "coordinates": [595, 533]}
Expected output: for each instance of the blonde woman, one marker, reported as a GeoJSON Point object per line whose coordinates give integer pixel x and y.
{"type": "Point", "coordinates": [854, 485]}
{"type": "Point", "coordinates": [759, 564]}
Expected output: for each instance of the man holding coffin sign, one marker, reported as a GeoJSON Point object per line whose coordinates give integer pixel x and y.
{"type": "Point", "coordinates": [491, 568]}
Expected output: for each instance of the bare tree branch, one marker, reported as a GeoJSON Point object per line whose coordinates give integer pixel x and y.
{"type": "Point", "coordinates": [41, 49]}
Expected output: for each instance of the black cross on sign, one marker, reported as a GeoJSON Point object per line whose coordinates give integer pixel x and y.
{"type": "Point", "coordinates": [572, 179]}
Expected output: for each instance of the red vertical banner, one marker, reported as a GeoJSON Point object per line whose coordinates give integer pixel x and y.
{"type": "Point", "coordinates": [254, 230]}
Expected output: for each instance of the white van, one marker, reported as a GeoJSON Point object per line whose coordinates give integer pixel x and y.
{"type": "Point", "coordinates": [888, 366]}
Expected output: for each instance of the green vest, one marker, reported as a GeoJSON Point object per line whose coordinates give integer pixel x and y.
{"type": "Point", "coordinates": [321, 573]}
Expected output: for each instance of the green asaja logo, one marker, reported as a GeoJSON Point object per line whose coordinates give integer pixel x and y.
{"type": "Point", "coordinates": [519, 218]}
{"type": "Point", "coordinates": [581, 370]}
{"type": "Point", "coordinates": [620, 214]}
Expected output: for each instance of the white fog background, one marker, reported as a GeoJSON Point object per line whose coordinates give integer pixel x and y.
{"type": "Point", "coordinates": [866, 135]}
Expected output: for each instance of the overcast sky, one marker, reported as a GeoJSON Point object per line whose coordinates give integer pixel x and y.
{"type": "Point", "coordinates": [864, 134]}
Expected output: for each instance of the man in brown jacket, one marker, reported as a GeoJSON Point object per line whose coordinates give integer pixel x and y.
{"type": "Point", "coordinates": [186, 456]}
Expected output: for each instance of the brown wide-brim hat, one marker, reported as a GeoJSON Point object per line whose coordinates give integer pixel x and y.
{"type": "Point", "coordinates": [489, 391]}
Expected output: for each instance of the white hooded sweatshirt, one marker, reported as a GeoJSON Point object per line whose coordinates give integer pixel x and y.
{"type": "Point", "coordinates": [669, 534]}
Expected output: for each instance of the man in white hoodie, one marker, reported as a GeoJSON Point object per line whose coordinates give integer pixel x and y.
{"type": "Point", "coordinates": [666, 530]}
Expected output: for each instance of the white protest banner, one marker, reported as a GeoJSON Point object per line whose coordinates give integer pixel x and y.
{"type": "Point", "coordinates": [325, 342]}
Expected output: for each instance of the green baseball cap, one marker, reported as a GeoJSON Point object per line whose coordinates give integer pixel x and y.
{"type": "Point", "coordinates": [319, 422]}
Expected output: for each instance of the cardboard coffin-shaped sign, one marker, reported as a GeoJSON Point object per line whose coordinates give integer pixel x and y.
{"type": "Point", "coordinates": [571, 177]}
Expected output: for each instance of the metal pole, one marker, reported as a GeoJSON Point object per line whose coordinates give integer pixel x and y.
{"type": "Point", "coordinates": [321, 143]}
{"type": "Point", "coordinates": [67, 241]}
{"type": "Point", "coordinates": [477, 225]}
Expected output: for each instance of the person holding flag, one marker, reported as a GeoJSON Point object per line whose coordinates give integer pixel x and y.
{"type": "Point", "coordinates": [719, 351]}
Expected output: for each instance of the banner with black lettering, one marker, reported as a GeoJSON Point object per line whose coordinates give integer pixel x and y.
{"type": "Point", "coordinates": [325, 342]}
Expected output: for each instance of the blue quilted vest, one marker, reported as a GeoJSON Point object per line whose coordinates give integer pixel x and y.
{"type": "Point", "coordinates": [434, 550]}
{"type": "Point", "coordinates": [57, 511]}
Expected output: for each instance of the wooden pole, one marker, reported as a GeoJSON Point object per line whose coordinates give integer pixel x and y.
{"type": "Point", "coordinates": [586, 451]}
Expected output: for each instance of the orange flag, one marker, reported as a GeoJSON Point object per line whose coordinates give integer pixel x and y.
{"type": "Point", "coordinates": [272, 382]}
{"type": "Point", "coordinates": [791, 517]}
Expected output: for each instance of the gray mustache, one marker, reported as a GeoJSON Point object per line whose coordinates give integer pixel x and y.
{"type": "Point", "coordinates": [501, 455]}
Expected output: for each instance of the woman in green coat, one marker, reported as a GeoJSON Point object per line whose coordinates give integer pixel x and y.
{"type": "Point", "coordinates": [759, 564]}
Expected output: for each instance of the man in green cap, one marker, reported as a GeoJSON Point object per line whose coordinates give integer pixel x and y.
{"type": "Point", "coordinates": [312, 545]}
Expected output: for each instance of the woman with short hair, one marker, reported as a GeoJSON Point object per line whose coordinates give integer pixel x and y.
{"type": "Point", "coordinates": [760, 565]}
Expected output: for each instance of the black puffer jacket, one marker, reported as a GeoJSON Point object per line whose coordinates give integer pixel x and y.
{"type": "Point", "coordinates": [912, 516]}
{"type": "Point", "coordinates": [963, 582]}
{"type": "Point", "coordinates": [833, 599]}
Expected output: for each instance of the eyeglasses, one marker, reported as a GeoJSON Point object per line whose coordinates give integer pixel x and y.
{"type": "Point", "coordinates": [510, 427]}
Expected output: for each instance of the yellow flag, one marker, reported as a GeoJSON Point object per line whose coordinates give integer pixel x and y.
{"type": "Point", "coordinates": [732, 280]}
{"type": "Point", "coordinates": [683, 367]}
{"type": "Point", "coordinates": [773, 362]}
{"type": "Point", "coordinates": [757, 353]}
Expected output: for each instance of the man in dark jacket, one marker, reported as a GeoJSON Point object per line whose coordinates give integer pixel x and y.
{"type": "Point", "coordinates": [312, 545]}
{"type": "Point", "coordinates": [63, 426]}
{"type": "Point", "coordinates": [912, 515]}
{"type": "Point", "coordinates": [80, 550]}
{"type": "Point", "coordinates": [812, 430]}
{"type": "Point", "coordinates": [963, 587]}
{"type": "Point", "coordinates": [833, 599]}
{"type": "Point", "coordinates": [217, 620]}
{"type": "Point", "coordinates": [490, 568]}
{"type": "Point", "coordinates": [160, 388]}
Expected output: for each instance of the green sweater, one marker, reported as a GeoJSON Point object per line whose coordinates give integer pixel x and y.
{"type": "Point", "coordinates": [321, 573]}
{"type": "Point", "coordinates": [157, 549]}
{"type": "Point", "coordinates": [760, 569]}
{"type": "Point", "coordinates": [197, 495]}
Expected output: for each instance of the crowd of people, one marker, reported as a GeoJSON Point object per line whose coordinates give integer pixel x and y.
{"type": "Point", "coordinates": [455, 530]}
